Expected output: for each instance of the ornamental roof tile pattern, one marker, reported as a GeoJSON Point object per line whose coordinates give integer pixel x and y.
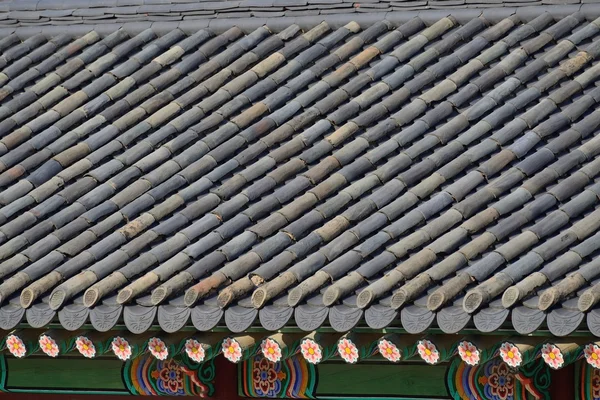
{"type": "Point", "coordinates": [411, 176]}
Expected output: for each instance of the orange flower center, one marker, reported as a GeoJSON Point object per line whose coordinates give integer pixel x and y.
{"type": "Point", "coordinates": [348, 350]}
{"type": "Point", "coordinates": [428, 352]}
{"type": "Point", "coordinates": [49, 346]}
{"type": "Point", "coordinates": [194, 350]}
{"type": "Point", "coordinates": [468, 353]}
{"type": "Point", "coordinates": [311, 351]}
{"type": "Point", "coordinates": [157, 348]}
{"type": "Point", "coordinates": [271, 351]}
{"type": "Point", "coordinates": [552, 356]}
{"type": "Point", "coordinates": [121, 347]}
{"type": "Point", "coordinates": [594, 356]}
{"type": "Point", "coordinates": [389, 350]}
{"type": "Point", "coordinates": [85, 347]}
{"type": "Point", "coordinates": [510, 354]}
{"type": "Point", "coordinates": [231, 349]}
{"type": "Point", "coordinates": [16, 346]}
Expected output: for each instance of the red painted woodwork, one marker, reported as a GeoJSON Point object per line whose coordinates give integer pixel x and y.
{"type": "Point", "coordinates": [226, 386]}
{"type": "Point", "coordinates": [562, 386]}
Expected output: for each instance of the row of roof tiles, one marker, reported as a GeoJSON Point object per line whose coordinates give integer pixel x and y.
{"type": "Point", "coordinates": [384, 169]}
{"type": "Point", "coordinates": [54, 12]}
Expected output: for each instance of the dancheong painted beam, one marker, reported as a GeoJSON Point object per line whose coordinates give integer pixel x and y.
{"type": "Point", "coordinates": [295, 365]}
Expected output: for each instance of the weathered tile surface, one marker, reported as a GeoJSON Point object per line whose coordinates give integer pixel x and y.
{"type": "Point", "coordinates": [412, 167]}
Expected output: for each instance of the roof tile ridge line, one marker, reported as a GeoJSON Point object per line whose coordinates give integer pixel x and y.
{"type": "Point", "coordinates": [55, 77]}
{"type": "Point", "coordinates": [492, 14]}
{"type": "Point", "coordinates": [469, 221]}
{"type": "Point", "coordinates": [63, 106]}
{"type": "Point", "coordinates": [65, 225]}
{"type": "Point", "coordinates": [64, 291]}
{"type": "Point", "coordinates": [560, 266]}
{"type": "Point", "coordinates": [344, 52]}
{"type": "Point", "coordinates": [198, 220]}
{"type": "Point", "coordinates": [99, 289]}
{"type": "Point", "coordinates": [485, 217]}
{"type": "Point", "coordinates": [8, 41]}
{"type": "Point", "coordinates": [73, 170]}
{"type": "Point", "coordinates": [484, 292]}
{"type": "Point", "coordinates": [332, 243]}
{"type": "Point", "coordinates": [580, 230]}
{"type": "Point", "coordinates": [68, 105]}
{"type": "Point", "coordinates": [313, 35]}
{"type": "Point", "coordinates": [442, 294]}
{"type": "Point", "coordinates": [590, 297]}
{"type": "Point", "coordinates": [43, 85]}
{"type": "Point", "coordinates": [118, 89]}
{"type": "Point", "coordinates": [264, 298]}
{"type": "Point", "coordinates": [41, 285]}
{"type": "Point", "coordinates": [95, 105]}
{"type": "Point", "coordinates": [126, 116]}
{"type": "Point", "coordinates": [314, 285]}
{"type": "Point", "coordinates": [245, 284]}
{"type": "Point", "coordinates": [381, 282]}
{"type": "Point", "coordinates": [9, 56]}
{"type": "Point", "coordinates": [58, 56]}
{"type": "Point", "coordinates": [290, 206]}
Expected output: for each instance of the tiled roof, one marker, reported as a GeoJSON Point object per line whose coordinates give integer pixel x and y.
{"type": "Point", "coordinates": [72, 12]}
{"type": "Point", "coordinates": [406, 176]}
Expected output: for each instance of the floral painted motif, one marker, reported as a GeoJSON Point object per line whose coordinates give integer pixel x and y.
{"type": "Point", "coordinates": [267, 377]}
{"type": "Point", "coordinates": [271, 350]}
{"type": "Point", "coordinates": [158, 348]}
{"type": "Point", "coordinates": [48, 345]}
{"type": "Point", "coordinates": [348, 351]}
{"type": "Point", "coordinates": [501, 382]}
{"type": "Point", "coordinates": [510, 354]}
{"type": "Point", "coordinates": [232, 350]}
{"type": "Point", "coordinates": [552, 356]}
{"type": "Point", "coordinates": [428, 352]}
{"type": "Point", "coordinates": [16, 346]}
{"type": "Point", "coordinates": [311, 351]}
{"type": "Point", "coordinates": [592, 355]}
{"type": "Point", "coordinates": [194, 350]}
{"type": "Point", "coordinates": [389, 350]}
{"type": "Point", "coordinates": [85, 346]}
{"type": "Point", "coordinates": [469, 353]}
{"type": "Point", "coordinates": [169, 377]}
{"type": "Point", "coordinates": [121, 348]}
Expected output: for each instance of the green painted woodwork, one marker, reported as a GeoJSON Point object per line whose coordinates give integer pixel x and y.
{"type": "Point", "coordinates": [64, 373]}
{"type": "Point", "coordinates": [382, 380]}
